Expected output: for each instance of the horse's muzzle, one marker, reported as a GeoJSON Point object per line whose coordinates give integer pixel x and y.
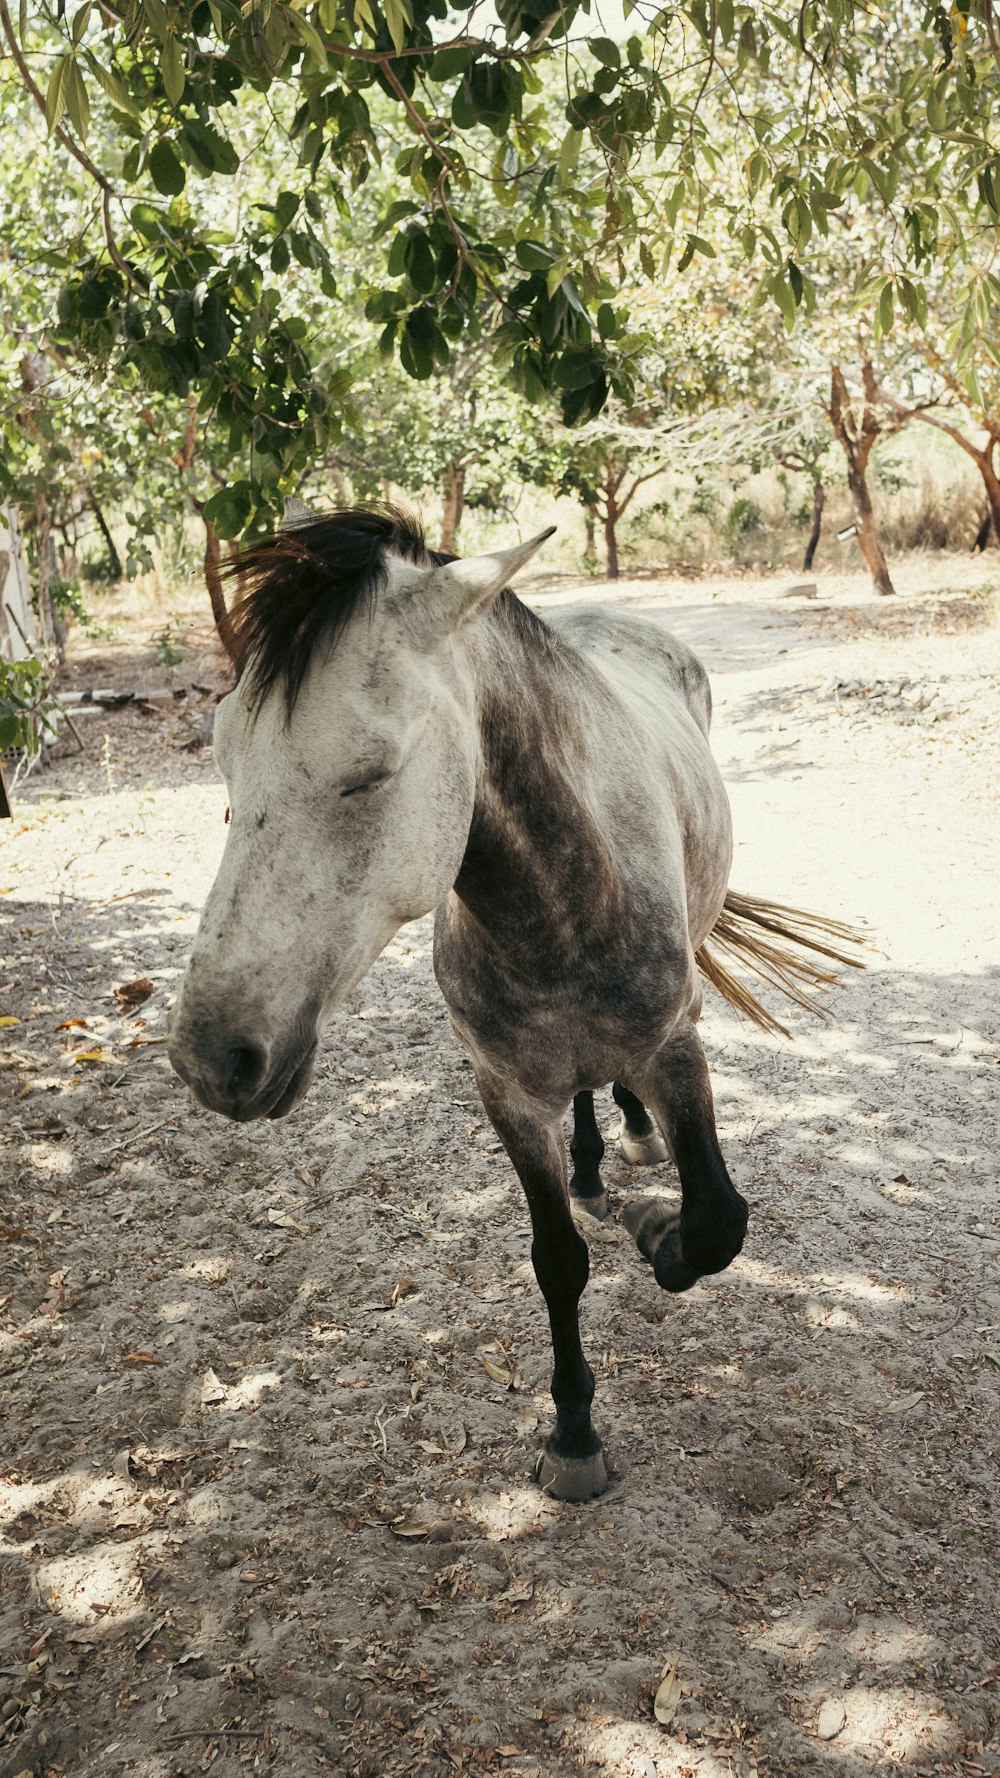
{"type": "Point", "coordinates": [241, 1080]}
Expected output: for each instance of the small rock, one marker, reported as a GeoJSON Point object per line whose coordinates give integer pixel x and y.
{"type": "Point", "coordinates": [225, 1559]}
{"type": "Point", "coordinates": [801, 589]}
{"type": "Point", "coordinates": [832, 1717]}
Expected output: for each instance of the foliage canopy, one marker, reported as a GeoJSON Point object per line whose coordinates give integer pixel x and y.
{"type": "Point", "coordinates": [529, 167]}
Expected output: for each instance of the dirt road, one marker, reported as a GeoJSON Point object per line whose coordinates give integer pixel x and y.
{"type": "Point", "coordinates": [270, 1395]}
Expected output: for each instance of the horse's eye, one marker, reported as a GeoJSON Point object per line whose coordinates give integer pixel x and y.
{"type": "Point", "coordinates": [370, 784]}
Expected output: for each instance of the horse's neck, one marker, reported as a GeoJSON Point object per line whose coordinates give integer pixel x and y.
{"type": "Point", "coordinates": [535, 847]}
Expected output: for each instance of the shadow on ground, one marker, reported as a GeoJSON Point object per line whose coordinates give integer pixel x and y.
{"type": "Point", "coordinates": [270, 1398]}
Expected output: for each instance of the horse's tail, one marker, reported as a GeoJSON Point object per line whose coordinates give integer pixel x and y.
{"type": "Point", "coordinates": [785, 958]}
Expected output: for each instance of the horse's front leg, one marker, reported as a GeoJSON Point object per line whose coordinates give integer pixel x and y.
{"type": "Point", "coordinates": [572, 1464]}
{"type": "Point", "coordinates": [706, 1234]}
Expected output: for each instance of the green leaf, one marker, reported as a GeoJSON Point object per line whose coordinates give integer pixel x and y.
{"type": "Point", "coordinates": [533, 256]}
{"type": "Point", "coordinates": [398, 14]}
{"type": "Point", "coordinates": [55, 94]}
{"type": "Point", "coordinates": [421, 267]}
{"type": "Point", "coordinates": [109, 79]}
{"type": "Point", "coordinates": [886, 309]}
{"type": "Point", "coordinates": [81, 20]}
{"type": "Point", "coordinates": [172, 70]}
{"type": "Point", "coordinates": [606, 51]}
{"type": "Point", "coordinates": [209, 150]}
{"type": "Point", "coordinates": [449, 62]}
{"type": "Point", "coordinates": [419, 348]}
{"type": "Point", "coordinates": [146, 221]}
{"type": "Point", "coordinates": [231, 509]}
{"type": "Point", "coordinates": [285, 208]}
{"type": "Point", "coordinates": [165, 169]}
{"type": "Point", "coordinates": [77, 101]}
{"type": "Point", "coordinates": [569, 155]}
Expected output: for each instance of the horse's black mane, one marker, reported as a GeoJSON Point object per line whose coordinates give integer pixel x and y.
{"type": "Point", "coordinates": [301, 587]}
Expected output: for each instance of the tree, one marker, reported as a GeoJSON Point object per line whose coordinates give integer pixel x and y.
{"type": "Point", "coordinates": [858, 423]}
{"type": "Point", "coordinates": [978, 399]}
{"type": "Point", "coordinates": [806, 455]}
{"type": "Point", "coordinates": [587, 143]}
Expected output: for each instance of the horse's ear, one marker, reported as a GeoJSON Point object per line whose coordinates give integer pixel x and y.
{"type": "Point", "coordinates": [296, 512]}
{"type": "Point", "coordinates": [469, 586]}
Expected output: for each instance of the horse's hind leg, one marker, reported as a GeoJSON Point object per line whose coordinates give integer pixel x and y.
{"type": "Point", "coordinates": [572, 1464]}
{"type": "Point", "coordinates": [639, 1139]}
{"type": "Point", "coordinates": [707, 1233]}
{"type": "Point", "coordinates": [587, 1150]}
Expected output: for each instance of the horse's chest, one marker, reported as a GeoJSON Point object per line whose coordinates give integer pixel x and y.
{"type": "Point", "coordinates": [568, 1016]}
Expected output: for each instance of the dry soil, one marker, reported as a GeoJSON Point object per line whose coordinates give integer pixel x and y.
{"type": "Point", "coordinates": [270, 1395]}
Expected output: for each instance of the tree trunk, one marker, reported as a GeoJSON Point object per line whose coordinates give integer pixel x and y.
{"type": "Point", "coordinates": [856, 442]}
{"type": "Point", "coordinates": [454, 507]}
{"type": "Point", "coordinates": [213, 581]}
{"type": "Point", "coordinates": [991, 482]}
{"type": "Point", "coordinates": [864, 517]}
{"type": "Point", "coordinates": [610, 532]}
{"type": "Point", "coordinates": [589, 529]}
{"type": "Point", "coordinates": [114, 559]}
{"type": "Point", "coordinates": [53, 631]}
{"type": "Point", "coordinates": [819, 501]}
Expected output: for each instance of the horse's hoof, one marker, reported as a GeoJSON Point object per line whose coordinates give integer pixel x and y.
{"type": "Point", "coordinates": [683, 1254]}
{"type": "Point", "coordinates": [647, 1221]}
{"type": "Point", "coordinates": [642, 1151]}
{"type": "Point", "coordinates": [598, 1206]}
{"type": "Point", "coordinates": [571, 1478]}
{"type": "Point", "coordinates": [670, 1268]}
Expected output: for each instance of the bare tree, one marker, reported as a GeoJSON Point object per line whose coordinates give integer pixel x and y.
{"type": "Point", "coordinates": [858, 427]}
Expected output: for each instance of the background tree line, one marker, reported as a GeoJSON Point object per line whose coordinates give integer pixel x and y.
{"type": "Point", "coordinates": [265, 250]}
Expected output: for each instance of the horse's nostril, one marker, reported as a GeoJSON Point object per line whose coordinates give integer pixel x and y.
{"type": "Point", "coordinates": [248, 1067]}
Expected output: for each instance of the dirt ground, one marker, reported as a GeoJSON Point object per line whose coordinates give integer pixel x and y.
{"type": "Point", "coordinates": [270, 1395]}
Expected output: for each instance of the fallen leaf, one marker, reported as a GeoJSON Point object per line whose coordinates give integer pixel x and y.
{"type": "Point", "coordinates": [432, 1530]}
{"type": "Point", "coordinates": [667, 1698]}
{"type": "Point", "coordinates": [405, 1287]}
{"type": "Point", "coordinates": [518, 1593]}
{"type": "Point", "coordinates": [500, 1373]}
{"type": "Point", "coordinates": [905, 1403]}
{"type": "Point", "coordinates": [9, 1019]}
{"type": "Point", "coordinates": [142, 1358]}
{"type": "Point", "coordinates": [508, 1752]}
{"type": "Point", "coordinates": [134, 993]}
{"type": "Point", "coordinates": [282, 1220]}
{"type": "Point", "coordinates": [432, 1449]}
{"type": "Point", "coordinates": [13, 1234]}
{"type": "Point", "coordinates": [92, 1056]}
{"type": "Point", "coordinates": [72, 1025]}
{"type": "Point", "coordinates": [212, 1389]}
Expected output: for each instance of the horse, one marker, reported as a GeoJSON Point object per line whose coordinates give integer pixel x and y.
{"type": "Point", "coordinates": [406, 736]}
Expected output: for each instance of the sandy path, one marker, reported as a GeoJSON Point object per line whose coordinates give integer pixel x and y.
{"type": "Point", "coordinates": [243, 1369]}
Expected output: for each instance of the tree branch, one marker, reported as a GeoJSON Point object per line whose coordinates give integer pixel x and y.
{"type": "Point", "coordinates": [650, 475]}
{"type": "Point", "coordinates": [62, 136]}
{"type": "Point", "coordinates": [921, 413]}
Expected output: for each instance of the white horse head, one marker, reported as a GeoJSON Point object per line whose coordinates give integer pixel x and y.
{"type": "Point", "coordinates": [350, 748]}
